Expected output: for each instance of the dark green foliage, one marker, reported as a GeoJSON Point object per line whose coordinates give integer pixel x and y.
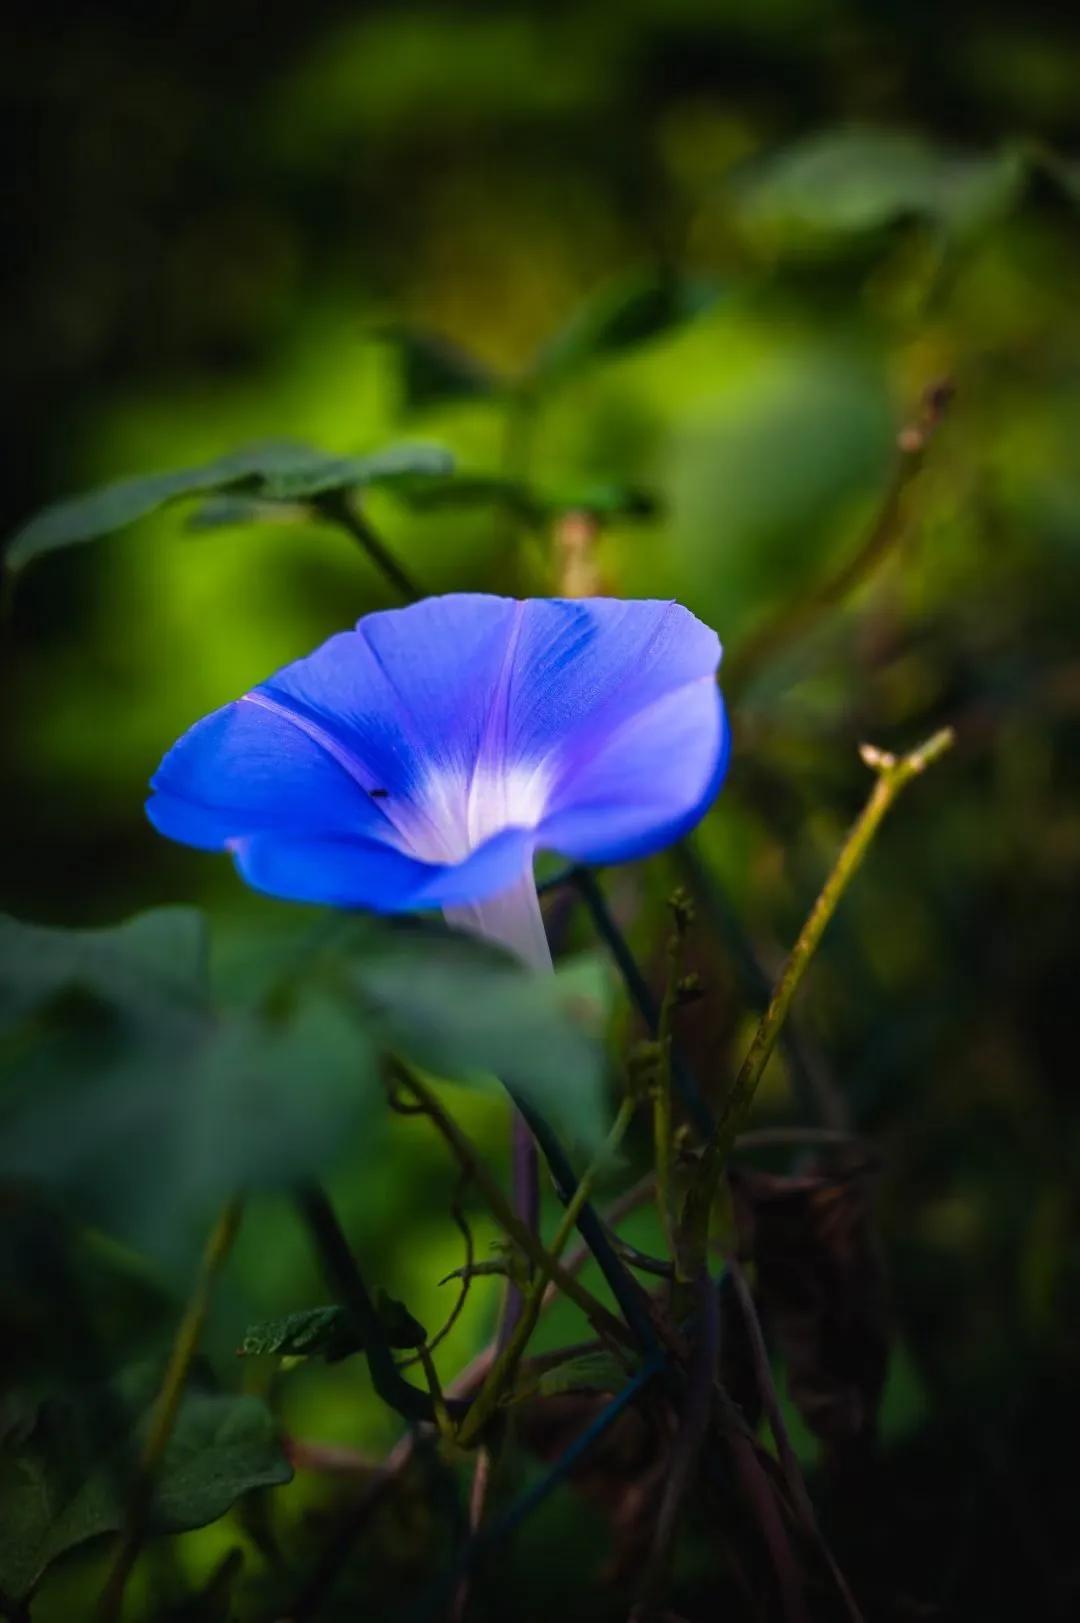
{"type": "Point", "coordinates": [433, 370]}
{"type": "Point", "coordinates": [849, 181]}
{"type": "Point", "coordinates": [65, 1463]}
{"type": "Point", "coordinates": [588, 1372]}
{"type": "Point", "coordinates": [329, 1332]}
{"type": "Point", "coordinates": [473, 1014]}
{"type": "Point", "coordinates": [147, 1093]}
{"type": "Point", "coordinates": [636, 310]}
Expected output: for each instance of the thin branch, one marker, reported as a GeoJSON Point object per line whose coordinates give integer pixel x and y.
{"type": "Point", "coordinates": [813, 1088]}
{"type": "Point", "coordinates": [344, 1274]}
{"type": "Point", "coordinates": [572, 1457]}
{"type": "Point", "coordinates": [789, 1463]}
{"type": "Point", "coordinates": [800, 616]}
{"type": "Point", "coordinates": [632, 1300]}
{"type": "Point", "coordinates": [893, 776]}
{"type": "Point", "coordinates": [465, 1274]}
{"type": "Point", "coordinates": [337, 508]}
{"type": "Point", "coordinates": [509, 1354]}
{"type": "Point", "coordinates": [167, 1406]}
{"type": "Point", "coordinates": [603, 1321]}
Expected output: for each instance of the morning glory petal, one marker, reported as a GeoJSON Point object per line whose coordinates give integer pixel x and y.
{"type": "Point", "coordinates": [343, 872]}
{"type": "Point", "coordinates": [247, 769]}
{"type": "Point", "coordinates": [421, 759]}
{"type": "Point", "coordinates": [650, 780]}
{"type": "Point", "coordinates": [581, 667]}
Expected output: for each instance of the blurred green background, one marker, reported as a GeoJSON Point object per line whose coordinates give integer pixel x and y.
{"type": "Point", "coordinates": [237, 221]}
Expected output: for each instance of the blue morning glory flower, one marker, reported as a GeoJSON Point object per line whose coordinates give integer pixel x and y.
{"type": "Point", "coordinates": [422, 759]}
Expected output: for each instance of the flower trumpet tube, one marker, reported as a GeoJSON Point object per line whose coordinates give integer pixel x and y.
{"type": "Point", "coordinates": [421, 760]}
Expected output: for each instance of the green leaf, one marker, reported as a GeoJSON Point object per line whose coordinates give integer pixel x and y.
{"type": "Point", "coordinates": [397, 464]}
{"type": "Point", "coordinates": [471, 490]}
{"type": "Point", "coordinates": [149, 1102]}
{"type": "Point", "coordinates": [599, 500]}
{"type": "Point", "coordinates": [588, 1372]}
{"type": "Point", "coordinates": [155, 964]}
{"type": "Point", "coordinates": [279, 471]}
{"type": "Point", "coordinates": [466, 1012]}
{"type": "Point", "coordinates": [228, 512]}
{"type": "Point", "coordinates": [86, 518]}
{"type": "Point", "coordinates": [222, 1446]}
{"type": "Point", "coordinates": [434, 371]}
{"type": "Point", "coordinates": [330, 1332]}
{"type": "Point", "coordinates": [63, 1473]}
{"type": "Point", "coordinates": [846, 182]}
{"type": "Point", "coordinates": [637, 310]}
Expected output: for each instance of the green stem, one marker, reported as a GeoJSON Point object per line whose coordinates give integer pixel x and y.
{"type": "Point", "coordinates": [502, 1371]}
{"type": "Point", "coordinates": [166, 1407]}
{"type": "Point", "coordinates": [336, 507]}
{"type": "Point", "coordinates": [603, 1321]}
{"type": "Point", "coordinates": [893, 776]}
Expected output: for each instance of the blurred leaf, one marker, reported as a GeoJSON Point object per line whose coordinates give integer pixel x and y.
{"type": "Point", "coordinates": [224, 512]}
{"type": "Point", "coordinates": [845, 182]}
{"type": "Point", "coordinates": [396, 464]}
{"type": "Point", "coordinates": [589, 1372]}
{"type": "Point", "coordinates": [147, 1104]}
{"type": "Point", "coordinates": [533, 504]}
{"type": "Point", "coordinates": [277, 471]}
{"type": "Point", "coordinates": [86, 518]}
{"type": "Point", "coordinates": [470, 490]}
{"type": "Point", "coordinates": [770, 475]}
{"type": "Point", "coordinates": [600, 500]}
{"type": "Point", "coordinates": [635, 311]}
{"type": "Point", "coordinates": [468, 1013]}
{"type": "Point", "coordinates": [330, 1332]}
{"type": "Point", "coordinates": [63, 1480]}
{"type": "Point", "coordinates": [154, 963]}
{"type": "Point", "coordinates": [434, 370]}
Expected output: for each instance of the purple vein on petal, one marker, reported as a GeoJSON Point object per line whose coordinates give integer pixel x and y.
{"type": "Point", "coordinates": [326, 742]}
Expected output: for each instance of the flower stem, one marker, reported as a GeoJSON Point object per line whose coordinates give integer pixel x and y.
{"type": "Point", "coordinates": [166, 1407]}
{"type": "Point", "coordinates": [525, 1193]}
{"type": "Point", "coordinates": [893, 776]}
{"type": "Point", "coordinates": [501, 1374]}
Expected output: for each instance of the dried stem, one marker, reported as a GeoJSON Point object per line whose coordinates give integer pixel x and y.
{"type": "Point", "coordinates": [893, 775]}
